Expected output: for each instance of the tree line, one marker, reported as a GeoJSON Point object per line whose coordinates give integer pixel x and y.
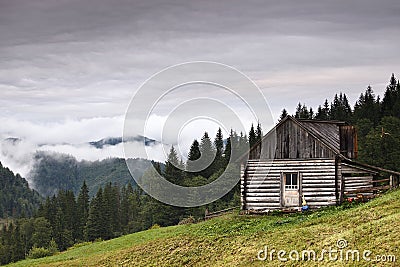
{"type": "Point", "coordinates": [66, 219]}
{"type": "Point", "coordinates": [377, 122]}
{"type": "Point", "coordinates": [16, 197]}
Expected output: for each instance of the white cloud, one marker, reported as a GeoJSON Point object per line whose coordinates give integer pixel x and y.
{"type": "Point", "coordinates": [68, 131]}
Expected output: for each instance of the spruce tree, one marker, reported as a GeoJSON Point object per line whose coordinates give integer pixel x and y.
{"type": "Point", "coordinates": [172, 173]}
{"type": "Point", "coordinates": [367, 107]}
{"type": "Point", "coordinates": [193, 156]}
{"type": "Point", "coordinates": [110, 211]}
{"type": "Point", "coordinates": [95, 227]}
{"type": "Point", "coordinates": [323, 112]}
{"type": "Point", "coordinates": [259, 132]}
{"type": "Point", "coordinates": [391, 99]}
{"type": "Point", "coordinates": [82, 210]}
{"type": "Point", "coordinates": [219, 148]}
{"type": "Point", "coordinates": [340, 108]}
{"type": "Point", "coordinates": [283, 115]}
{"type": "Point", "coordinates": [228, 150]}
{"type": "Point", "coordinates": [219, 143]}
{"type": "Point", "coordinates": [207, 156]}
{"type": "Point", "coordinates": [252, 136]}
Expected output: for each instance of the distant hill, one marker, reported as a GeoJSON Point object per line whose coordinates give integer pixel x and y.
{"type": "Point", "coordinates": [112, 141]}
{"type": "Point", "coordinates": [55, 171]}
{"type": "Point", "coordinates": [16, 198]}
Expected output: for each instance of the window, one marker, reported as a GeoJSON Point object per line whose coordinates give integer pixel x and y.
{"type": "Point", "coordinates": [291, 181]}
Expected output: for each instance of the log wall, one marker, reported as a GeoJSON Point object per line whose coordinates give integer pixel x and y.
{"type": "Point", "coordinates": [323, 182]}
{"type": "Point", "coordinates": [261, 189]}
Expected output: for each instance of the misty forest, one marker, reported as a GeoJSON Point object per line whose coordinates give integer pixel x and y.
{"type": "Point", "coordinates": [74, 202]}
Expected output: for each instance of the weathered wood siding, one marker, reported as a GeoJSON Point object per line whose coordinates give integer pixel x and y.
{"type": "Point", "coordinates": [348, 141]}
{"type": "Point", "coordinates": [261, 189]}
{"type": "Point", "coordinates": [291, 141]}
{"type": "Point", "coordinates": [356, 178]}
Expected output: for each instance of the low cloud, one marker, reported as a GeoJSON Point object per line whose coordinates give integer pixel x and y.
{"type": "Point", "coordinates": [67, 131]}
{"type": "Point", "coordinates": [20, 140]}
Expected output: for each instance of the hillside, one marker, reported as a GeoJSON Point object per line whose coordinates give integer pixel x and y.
{"type": "Point", "coordinates": [16, 198]}
{"type": "Point", "coordinates": [234, 240]}
{"type": "Point", "coordinates": [54, 171]}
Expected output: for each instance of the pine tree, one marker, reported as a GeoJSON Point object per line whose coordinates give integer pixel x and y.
{"type": "Point", "coordinates": [130, 208]}
{"type": "Point", "coordinates": [110, 211]}
{"type": "Point", "coordinates": [219, 143]}
{"type": "Point", "coordinates": [302, 112]}
{"type": "Point", "coordinates": [82, 210]}
{"type": "Point", "coordinates": [299, 109]}
{"type": "Point", "coordinates": [391, 99]}
{"type": "Point", "coordinates": [340, 108]}
{"type": "Point", "coordinates": [228, 150]}
{"type": "Point", "coordinates": [218, 162]}
{"type": "Point", "coordinates": [41, 236]}
{"type": "Point", "coordinates": [252, 136]}
{"type": "Point", "coordinates": [95, 227]}
{"type": "Point", "coordinates": [323, 112]}
{"type": "Point", "coordinates": [165, 214]}
{"type": "Point", "coordinates": [381, 144]}
{"type": "Point", "coordinates": [311, 113]}
{"type": "Point", "coordinates": [193, 156]}
{"type": "Point", "coordinates": [367, 107]}
{"type": "Point", "coordinates": [172, 173]}
{"type": "Point", "coordinates": [157, 167]}
{"type": "Point", "coordinates": [283, 115]}
{"type": "Point", "coordinates": [17, 244]}
{"type": "Point", "coordinates": [259, 132]}
{"type": "Point", "coordinates": [207, 156]}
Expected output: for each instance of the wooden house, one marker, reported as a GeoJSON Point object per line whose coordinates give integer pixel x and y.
{"type": "Point", "coordinates": [311, 159]}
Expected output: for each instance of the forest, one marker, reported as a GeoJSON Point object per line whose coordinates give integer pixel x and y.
{"type": "Point", "coordinates": [70, 217]}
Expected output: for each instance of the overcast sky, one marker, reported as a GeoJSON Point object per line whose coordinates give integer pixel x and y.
{"type": "Point", "coordinates": [69, 67]}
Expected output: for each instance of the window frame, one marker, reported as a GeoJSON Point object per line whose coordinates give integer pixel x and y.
{"type": "Point", "coordinates": [292, 186]}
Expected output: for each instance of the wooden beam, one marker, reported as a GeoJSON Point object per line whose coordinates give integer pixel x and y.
{"type": "Point", "coordinates": [342, 182]}
{"type": "Point", "coordinates": [336, 181]}
{"type": "Point", "coordinates": [244, 204]}
{"type": "Point", "coordinates": [368, 189]}
{"type": "Point", "coordinates": [282, 190]}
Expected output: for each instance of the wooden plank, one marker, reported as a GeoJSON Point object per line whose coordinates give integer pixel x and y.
{"type": "Point", "coordinates": [263, 200]}
{"type": "Point", "coordinates": [274, 186]}
{"type": "Point", "coordinates": [322, 189]}
{"type": "Point", "coordinates": [369, 189]}
{"type": "Point", "coordinates": [320, 185]}
{"type": "Point", "coordinates": [281, 199]}
{"type": "Point", "coordinates": [264, 206]}
{"type": "Point", "coordinates": [381, 180]}
{"type": "Point", "coordinates": [263, 196]}
{"type": "Point", "coordinates": [342, 181]}
{"type": "Point", "coordinates": [319, 195]}
{"type": "Point", "coordinates": [244, 207]}
{"type": "Point", "coordinates": [359, 184]}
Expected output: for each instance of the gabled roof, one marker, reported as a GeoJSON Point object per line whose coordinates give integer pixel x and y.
{"type": "Point", "coordinates": [326, 132]}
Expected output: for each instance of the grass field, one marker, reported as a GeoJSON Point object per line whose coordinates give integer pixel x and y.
{"type": "Point", "coordinates": [234, 240]}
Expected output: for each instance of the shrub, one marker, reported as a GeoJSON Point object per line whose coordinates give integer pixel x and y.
{"type": "Point", "coordinates": [155, 226]}
{"type": "Point", "coordinates": [78, 245]}
{"type": "Point", "coordinates": [188, 220]}
{"type": "Point", "coordinates": [36, 253]}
